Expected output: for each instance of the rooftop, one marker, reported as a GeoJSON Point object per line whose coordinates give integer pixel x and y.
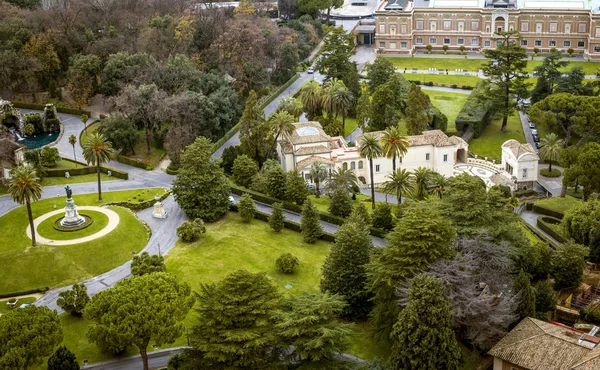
{"type": "Point", "coordinates": [518, 149]}
{"type": "Point", "coordinates": [433, 137]}
{"type": "Point", "coordinates": [593, 5]}
{"type": "Point", "coordinates": [308, 132]}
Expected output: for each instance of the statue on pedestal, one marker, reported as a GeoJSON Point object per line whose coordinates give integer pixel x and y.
{"type": "Point", "coordinates": [159, 211]}
{"type": "Point", "coordinates": [72, 219]}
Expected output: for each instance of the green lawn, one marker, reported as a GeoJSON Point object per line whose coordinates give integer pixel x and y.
{"type": "Point", "coordinates": [448, 103]}
{"type": "Point", "coordinates": [92, 177]}
{"type": "Point", "coordinates": [444, 79]}
{"type": "Point", "coordinates": [351, 125]}
{"type": "Point", "coordinates": [4, 307]}
{"type": "Point", "coordinates": [141, 152]}
{"type": "Point", "coordinates": [558, 203]}
{"type": "Point", "coordinates": [489, 144]}
{"type": "Point", "coordinates": [64, 164]}
{"type": "Point", "coordinates": [91, 129]}
{"type": "Point", "coordinates": [26, 268]}
{"type": "Point", "coordinates": [322, 203]}
{"type": "Point", "coordinates": [46, 228]}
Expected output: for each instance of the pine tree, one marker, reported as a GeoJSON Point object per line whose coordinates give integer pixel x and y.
{"type": "Point", "coordinates": [74, 300]}
{"type": "Point", "coordinates": [246, 208]}
{"type": "Point", "coordinates": [567, 264]}
{"type": "Point", "coordinates": [235, 327]}
{"type": "Point", "coordinates": [417, 119]}
{"type": "Point", "coordinates": [361, 215]}
{"type": "Point", "coordinates": [296, 190]}
{"type": "Point", "coordinates": [423, 336]}
{"type": "Point", "coordinates": [382, 217]}
{"type": "Point", "coordinates": [526, 301]}
{"type": "Point", "coordinates": [545, 298]}
{"type": "Point", "coordinates": [340, 203]}
{"type": "Point", "coordinates": [308, 324]}
{"type": "Point", "coordinates": [276, 181]}
{"type": "Point", "coordinates": [310, 223]}
{"type": "Point", "coordinates": [244, 169]}
{"type": "Point", "coordinates": [276, 219]}
{"type": "Point", "coordinates": [63, 359]}
{"type": "Point", "coordinates": [344, 270]}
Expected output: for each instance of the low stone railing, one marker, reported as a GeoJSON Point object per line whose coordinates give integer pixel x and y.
{"type": "Point", "coordinates": [492, 166]}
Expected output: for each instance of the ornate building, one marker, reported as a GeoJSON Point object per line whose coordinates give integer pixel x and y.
{"type": "Point", "coordinates": [405, 26]}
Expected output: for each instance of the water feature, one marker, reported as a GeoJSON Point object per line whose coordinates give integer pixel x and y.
{"type": "Point", "coordinates": [14, 131]}
{"type": "Point", "coordinates": [39, 140]}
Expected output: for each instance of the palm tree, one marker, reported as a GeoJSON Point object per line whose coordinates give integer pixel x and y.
{"type": "Point", "coordinates": [97, 151]}
{"type": "Point", "coordinates": [400, 182]}
{"type": "Point", "coordinates": [343, 102]}
{"type": "Point", "coordinates": [282, 123]}
{"type": "Point", "coordinates": [311, 96]}
{"type": "Point", "coordinates": [437, 183]}
{"type": "Point", "coordinates": [343, 177]}
{"type": "Point", "coordinates": [318, 172]}
{"type": "Point", "coordinates": [84, 118]}
{"type": "Point", "coordinates": [370, 148]}
{"type": "Point", "coordinates": [551, 145]}
{"type": "Point", "coordinates": [73, 141]}
{"type": "Point", "coordinates": [421, 178]}
{"type": "Point", "coordinates": [25, 187]}
{"type": "Point", "coordinates": [394, 144]}
{"type": "Point", "coordinates": [291, 105]}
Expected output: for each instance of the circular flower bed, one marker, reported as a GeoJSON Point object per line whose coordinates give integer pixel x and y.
{"type": "Point", "coordinates": [88, 222]}
{"type": "Point", "coordinates": [546, 173]}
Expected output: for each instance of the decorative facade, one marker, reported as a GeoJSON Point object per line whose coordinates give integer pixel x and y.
{"type": "Point", "coordinates": [520, 161]}
{"type": "Point", "coordinates": [403, 26]}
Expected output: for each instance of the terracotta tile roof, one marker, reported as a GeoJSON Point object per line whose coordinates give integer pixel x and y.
{"type": "Point", "coordinates": [433, 137]}
{"type": "Point", "coordinates": [519, 149]}
{"type": "Point", "coordinates": [310, 160]}
{"type": "Point", "coordinates": [308, 132]}
{"type": "Point", "coordinates": [7, 149]}
{"type": "Point", "coordinates": [538, 345]}
{"type": "Point", "coordinates": [305, 150]}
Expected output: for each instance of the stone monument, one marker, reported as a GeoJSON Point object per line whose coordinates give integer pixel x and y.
{"type": "Point", "coordinates": [159, 211]}
{"type": "Point", "coordinates": [72, 219]}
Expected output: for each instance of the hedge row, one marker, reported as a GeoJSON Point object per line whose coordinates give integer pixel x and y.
{"type": "Point", "coordinates": [84, 170]}
{"type": "Point", "coordinates": [263, 198]}
{"type": "Point", "coordinates": [138, 206]}
{"type": "Point", "coordinates": [431, 83]}
{"type": "Point", "coordinates": [134, 162]}
{"type": "Point", "coordinates": [24, 292]}
{"type": "Point", "coordinates": [171, 172]}
{"type": "Point", "coordinates": [543, 222]}
{"type": "Point", "coordinates": [547, 211]}
{"type": "Point", "coordinates": [476, 113]}
{"type": "Point", "coordinates": [74, 111]}
{"type": "Point", "coordinates": [537, 233]}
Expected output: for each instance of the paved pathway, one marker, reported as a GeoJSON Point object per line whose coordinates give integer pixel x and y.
{"type": "Point", "coordinates": [531, 218]}
{"type": "Point", "coordinates": [551, 184]}
{"type": "Point", "coordinates": [526, 130]}
{"type": "Point", "coordinates": [446, 89]}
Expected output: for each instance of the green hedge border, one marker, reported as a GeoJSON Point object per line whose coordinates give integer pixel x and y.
{"type": "Point", "coordinates": [96, 122]}
{"type": "Point", "coordinates": [138, 206]}
{"type": "Point", "coordinates": [85, 170]}
{"type": "Point", "coordinates": [544, 224]}
{"type": "Point", "coordinates": [73, 111]}
{"type": "Point", "coordinates": [134, 162]}
{"type": "Point", "coordinates": [537, 233]}
{"type": "Point", "coordinates": [24, 292]}
{"type": "Point", "coordinates": [547, 211]}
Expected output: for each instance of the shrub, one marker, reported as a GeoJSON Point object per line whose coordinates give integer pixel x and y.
{"type": "Point", "coordinates": [63, 359]}
{"type": "Point", "coordinates": [477, 112]}
{"type": "Point", "coordinates": [310, 223]}
{"type": "Point", "coordinates": [287, 263]}
{"type": "Point", "coordinates": [341, 203]}
{"type": "Point", "coordinates": [246, 208]}
{"type": "Point", "coordinates": [567, 265]}
{"type": "Point", "coordinates": [277, 219]}
{"type": "Point", "coordinates": [146, 264]}
{"type": "Point", "coordinates": [74, 300]}
{"type": "Point", "coordinates": [191, 230]}
{"type": "Point", "coordinates": [244, 168]}
{"type": "Point", "coordinates": [382, 217]}
{"type": "Point", "coordinates": [554, 173]}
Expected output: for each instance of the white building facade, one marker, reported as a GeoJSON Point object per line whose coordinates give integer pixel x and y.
{"type": "Point", "coordinates": [521, 163]}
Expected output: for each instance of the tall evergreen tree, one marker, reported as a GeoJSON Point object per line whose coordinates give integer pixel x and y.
{"type": "Point", "coordinates": [244, 169]}
{"type": "Point", "coordinates": [246, 208]}
{"type": "Point", "coordinates": [380, 72]}
{"type": "Point", "coordinates": [276, 219]}
{"type": "Point", "coordinates": [276, 180]}
{"type": "Point", "coordinates": [361, 215]}
{"type": "Point", "coordinates": [363, 106]}
{"type": "Point", "coordinates": [310, 223]}
{"type": "Point", "coordinates": [382, 217]}
{"type": "Point", "coordinates": [417, 117]}
{"type": "Point", "coordinates": [423, 337]}
{"type": "Point", "coordinates": [526, 296]}
{"type": "Point", "coordinates": [296, 190]}
{"type": "Point", "coordinates": [549, 75]}
{"type": "Point", "coordinates": [545, 297]}
{"type": "Point", "coordinates": [344, 270]}
{"type": "Point", "coordinates": [63, 359]}
{"type": "Point", "coordinates": [341, 203]}
{"type": "Point", "coordinates": [566, 266]}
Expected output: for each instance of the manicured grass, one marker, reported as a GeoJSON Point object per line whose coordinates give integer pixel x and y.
{"type": "Point", "coordinates": [46, 228]}
{"type": "Point", "coordinates": [364, 346]}
{"type": "Point", "coordinates": [26, 268]}
{"type": "Point", "coordinates": [531, 236]}
{"type": "Point", "coordinates": [91, 129]}
{"type": "Point", "coordinates": [3, 190]}
{"type": "Point", "coordinates": [489, 144]}
{"type": "Point", "coordinates": [92, 177]}
{"type": "Point", "coordinates": [448, 103]}
{"type": "Point", "coordinates": [4, 307]}
{"type": "Point", "coordinates": [558, 203]}
{"type": "Point", "coordinates": [141, 152]}
{"type": "Point", "coordinates": [322, 203]}
{"type": "Point", "coordinates": [444, 79]}
{"type": "Point", "coordinates": [65, 164]}
{"type": "Point", "coordinates": [351, 125]}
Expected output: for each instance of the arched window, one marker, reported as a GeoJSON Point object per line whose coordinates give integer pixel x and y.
{"type": "Point", "coordinates": [345, 166]}
{"type": "Point", "coordinates": [360, 165]}
{"type": "Point", "coordinates": [352, 165]}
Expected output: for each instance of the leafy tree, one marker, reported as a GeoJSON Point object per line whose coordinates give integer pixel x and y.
{"type": "Point", "coordinates": [310, 223]}
{"type": "Point", "coordinates": [427, 315]}
{"type": "Point", "coordinates": [573, 83]}
{"type": "Point", "coordinates": [360, 215]}
{"type": "Point", "coordinates": [586, 171]}
{"type": "Point", "coordinates": [190, 231]}
{"type": "Point", "coordinates": [308, 324]}
{"type": "Point", "coordinates": [255, 132]}
{"type": "Point", "coordinates": [228, 158]}
{"type": "Point", "coordinates": [421, 236]}
{"type": "Point", "coordinates": [41, 48]}
{"type": "Point", "coordinates": [506, 70]}
{"type": "Point", "coordinates": [399, 182]}
{"type": "Point", "coordinates": [276, 180]}
{"type": "Point", "coordinates": [244, 168]}
{"type": "Point", "coordinates": [336, 52]}
{"type": "Point", "coordinates": [551, 146]}
{"type": "Point", "coordinates": [394, 144]}
{"type": "Point", "coordinates": [74, 300]}
{"type": "Point", "coordinates": [382, 217]}
{"type": "Point", "coordinates": [63, 359]}
{"type": "Point", "coordinates": [549, 75]}
{"type": "Point", "coordinates": [27, 335]}
{"type": "Point", "coordinates": [73, 141]}
{"type": "Point", "coordinates": [562, 111]}
{"type": "Point", "coordinates": [145, 263]}
{"type": "Point", "coordinates": [296, 190]}
{"type": "Point", "coordinates": [417, 117]}
{"type": "Point", "coordinates": [246, 208]}
{"type": "Point", "coordinates": [582, 223]}
{"type": "Point", "coordinates": [341, 203]}
{"type": "Point", "coordinates": [97, 151]}
{"type": "Point", "coordinates": [292, 106]}
{"type": "Point", "coordinates": [201, 188]}
{"type": "Point", "coordinates": [276, 219]}
{"type": "Point", "coordinates": [526, 296]}
{"type": "Point", "coordinates": [25, 187]}
{"type": "Point", "coordinates": [545, 298]}
{"type": "Point", "coordinates": [344, 270]}
{"type": "Point", "coordinates": [156, 306]}
{"type": "Point", "coordinates": [370, 148]}
{"type": "Point", "coordinates": [421, 177]}
{"type": "Point", "coordinates": [566, 266]}
{"type": "Point", "coordinates": [235, 326]}
{"type": "Point", "coordinates": [27, 4]}
{"type": "Point", "coordinates": [287, 263]}
{"type": "Point", "coordinates": [120, 132]}
{"type": "Point", "coordinates": [318, 172]}
{"type": "Point", "coordinates": [383, 110]}
{"type": "Point", "coordinates": [465, 203]}
{"type": "Point", "coordinates": [380, 72]}
{"type": "Point", "coordinates": [121, 69]}
{"type": "Point", "coordinates": [282, 124]}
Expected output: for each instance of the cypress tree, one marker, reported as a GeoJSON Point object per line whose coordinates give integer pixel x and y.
{"type": "Point", "coordinates": [526, 296]}
{"type": "Point", "coordinates": [310, 223]}
{"type": "Point", "coordinates": [276, 219]}
{"type": "Point", "coordinates": [276, 181]}
{"type": "Point", "coordinates": [344, 271]}
{"type": "Point", "coordinates": [244, 169]}
{"type": "Point", "coordinates": [423, 336]}
{"type": "Point", "coordinates": [417, 106]}
{"type": "Point", "coordinates": [382, 217]}
{"type": "Point", "coordinates": [360, 214]}
{"type": "Point", "coordinates": [545, 298]}
{"type": "Point", "coordinates": [63, 359]}
{"type": "Point", "coordinates": [246, 208]}
{"type": "Point", "coordinates": [341, 202]}
{"type": "Point", "coordinates": [296, 190]}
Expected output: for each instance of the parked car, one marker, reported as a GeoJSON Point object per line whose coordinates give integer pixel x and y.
{"type": "Point", "coordinates": [232, 201]}
{"type": "Point", "coordinates": [536, 138]}
{"type": "Point", "coordinates": [534, 132]}
{"type": "Point", "coordinates": [310, 70]}
{"type": "Point", "coordinates": [538, 144]}
{"type": "Point", "coordinates": [531, 124]}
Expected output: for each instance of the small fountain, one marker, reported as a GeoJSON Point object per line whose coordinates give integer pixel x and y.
{"type": "Point", "coordinates": [72, 219]}
{"type": "Point", "coordinates": [16, 133]}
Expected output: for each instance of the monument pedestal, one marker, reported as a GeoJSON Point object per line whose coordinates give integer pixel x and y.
{"type": "Point", "coordinates": [159, 211]}
{"type": "Point", "coordinates": [72, 218]}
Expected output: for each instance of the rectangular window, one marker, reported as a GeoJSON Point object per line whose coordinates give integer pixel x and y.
{"type": "Point", "coordinates": [582, 28]}
{"type": "Point", "coordinates": [474, 41]}
{"type": "Point", "coordinates": [523, 42]}
{"type": "Point", "coordinates": [551, 43]}
{"type": "Point", "coordinates": [419, 40]}
{"type": "Point", "coordinates": [433, 41]}
{"type": "Point", "coordinates": [487, 43]}
{"type": "Point", "coordinates": [538, 43]}
{"type": "Point", "coordinates": [597, 49]}
{"type": "Point", "coordinates": [539, 27]}
{"type": "Point", "coordinates": [567, 44]}
{"type": "Point", "coordinates": [447, 25]}
{"type": "Point", "coordinates": [403, 45]}
{"type": "Point", "coordinates": [524, 173]}
{"type": "Point", "coordinates": [474, 25]}
{"type": "Point", "coordinates": [580, 44]}
{"type": "Point", "coordinates": [376, 168]}
{"type": "Point", "coordinates": [427, 156]}
{"type": "Point", "coordinates": [419, 25]}
{"type": "Point", "coordinates": [400, 160]}
{"type": "Point", "coordinates": [524, 26]}
{"type": "Point", "coordinates": [446, 41]}
{"type": "Point", "coordinates": [553, 27]}
{"type": "Point", "coordinates": [392, 30]}
{"type": "Point", "coordinates": [445, 157]}
{"type": "Point", "coordinates": [382, 28]}
{"type": "Point", "coordinates": [392, 45]}
{"type": "Point", "coordinates": [567, 28]}
{"type": "Point", "coordinates": [460, 41]}
{"type": "Point", "coordinates": [382, 44]}
{"type": "Point", "coordinates": [597, 31]}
